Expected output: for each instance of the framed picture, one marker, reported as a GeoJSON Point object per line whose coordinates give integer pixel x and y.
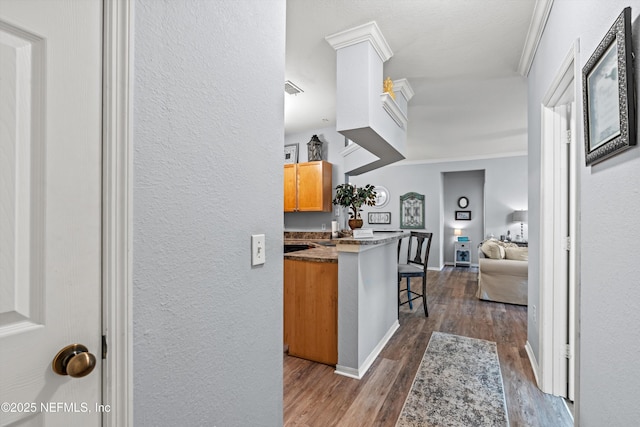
{"type": "Point", "coordinates": [412, 211]}
{"type": "Point", "coordinates": [291, 153]}
{"type": "Point", "coordinates": [608, 94]}
{"type": "Point", "coordinates": [379, 218]}
{"type": "Point", "coordinates": [463, 215]}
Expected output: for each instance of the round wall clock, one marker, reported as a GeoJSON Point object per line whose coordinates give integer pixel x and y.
{"type": "Point", "coordinates": [382, 196]}
{"type": "Point", "coordinates": [463, 202]}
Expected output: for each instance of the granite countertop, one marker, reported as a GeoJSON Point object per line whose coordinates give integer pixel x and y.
{"type": "Point", "coordinates": [322, 253]}
{"type": "Point", "coordinates": [378, 238]}
{"type": "Point", "coordinates": [317, 254]}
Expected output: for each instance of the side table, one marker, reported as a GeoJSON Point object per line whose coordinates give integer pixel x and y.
{"type": "Point", "coordinates": [462, 254]}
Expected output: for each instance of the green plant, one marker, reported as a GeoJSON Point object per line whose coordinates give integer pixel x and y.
{"type": "Point", "coordinates": [353, 197]}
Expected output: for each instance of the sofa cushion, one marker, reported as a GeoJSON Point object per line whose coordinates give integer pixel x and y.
{"type": "Point", "coordinates": [518, 254]}
{"type": "Point", "coordinates": [493, 250]}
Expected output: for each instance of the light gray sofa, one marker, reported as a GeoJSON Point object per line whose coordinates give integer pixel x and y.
{"type": "Point", "coordinates": [503, 270]}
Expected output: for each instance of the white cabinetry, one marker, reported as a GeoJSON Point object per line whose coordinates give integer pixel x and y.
{"type": "Point", "coordinates": [462, 254]}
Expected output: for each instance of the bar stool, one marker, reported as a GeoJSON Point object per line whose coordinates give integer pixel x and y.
{"type": "Point", "coordinates": [416, 266]}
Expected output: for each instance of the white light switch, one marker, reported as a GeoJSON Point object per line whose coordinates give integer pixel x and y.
{"type": "Point", "coordinates": [258, 249]}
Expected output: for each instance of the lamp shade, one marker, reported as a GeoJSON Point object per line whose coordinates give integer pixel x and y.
{"type": "Point", "coordinates": [457, 232]}
{"type": "Point", "coordinates": [519, 216]}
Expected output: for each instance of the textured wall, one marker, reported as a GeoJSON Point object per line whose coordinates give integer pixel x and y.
{"type": "Point", "coordinates": [208, 136]}
{"type": "Point", "coordinates": [608, 381]}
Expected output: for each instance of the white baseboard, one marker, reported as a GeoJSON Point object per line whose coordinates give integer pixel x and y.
{"type": "Point", "coordinates": [360, 371]}
{"type": "Point", "coordinates": [533, 362]}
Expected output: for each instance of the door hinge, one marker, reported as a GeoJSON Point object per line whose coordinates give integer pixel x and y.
{"type": "Point", "coordinates": [104, 346]}
{"type": "Point", "coordinates": [567, 243]}
{"type": "Point", "coordinates": [568, 140]}
{"type": "Point", "coordinates": [567, 351]}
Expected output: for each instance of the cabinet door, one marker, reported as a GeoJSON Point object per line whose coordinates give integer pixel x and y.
{"type": "Point", "coordinates": [314, 186]}
{"type": "Point", "coordinates": [311, 310]}
{"type": "Point", "coordinates": [290, 187]}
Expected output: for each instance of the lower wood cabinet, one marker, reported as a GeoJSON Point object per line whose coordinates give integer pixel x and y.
{"type": "Point", "coordinates": [311, 310]}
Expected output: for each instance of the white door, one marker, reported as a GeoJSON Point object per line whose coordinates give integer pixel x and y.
{"type": "Point", "coordinates": [50, 209]}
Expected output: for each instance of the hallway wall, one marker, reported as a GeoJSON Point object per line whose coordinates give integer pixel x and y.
{"type": "Point", "coordinates": [608, 381]}
{"type": "Point", "coordinates": [208, 132]}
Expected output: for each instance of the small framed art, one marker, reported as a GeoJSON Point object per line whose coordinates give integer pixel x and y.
{"type": "Point", "coordinates": [291, 153]}
{"type": "Point", "coordinates": [379, 218]}
{"type": "Point", "coordinates": [463, 215]}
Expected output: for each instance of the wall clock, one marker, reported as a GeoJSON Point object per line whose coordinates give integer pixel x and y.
{"type": "Point", "coordinates": [382, 196]}
{"type": "Point", "coordinates": [463, 202]}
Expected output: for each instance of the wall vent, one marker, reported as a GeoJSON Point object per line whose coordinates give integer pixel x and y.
{"type": "Point", "coordinates": [291, 88]}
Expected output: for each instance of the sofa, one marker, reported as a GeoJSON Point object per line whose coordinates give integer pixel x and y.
{"type": "Point", "coordinates": [503, 270]}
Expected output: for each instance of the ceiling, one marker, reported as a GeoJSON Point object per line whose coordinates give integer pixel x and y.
{"type": "Point", "coordinates": [461, 58]}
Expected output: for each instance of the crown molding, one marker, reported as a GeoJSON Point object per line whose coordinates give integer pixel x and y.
{"type": "Point", "coordinates": [393, 110]}
{"type": "Point", "coordinates": [366, 32]}
{"type": "Point", "coordinates": [403, 86]}
{"type": "Point", "coordinates": [461, 158]}
{"type": "Point", "coordinates": [536, 28]}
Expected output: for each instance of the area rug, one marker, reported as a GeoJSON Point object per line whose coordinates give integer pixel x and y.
{"type": "Point", "coordinates": [458, 383]}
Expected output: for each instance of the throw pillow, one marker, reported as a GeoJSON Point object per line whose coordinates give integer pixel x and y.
{"type": "Point", "coordinates": [492, 250]}
{"type": "Point", "coordinates": [519, 254]}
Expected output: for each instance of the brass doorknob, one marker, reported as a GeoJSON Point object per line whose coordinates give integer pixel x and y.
{"type": "Point", "coordinates": [74, 360]}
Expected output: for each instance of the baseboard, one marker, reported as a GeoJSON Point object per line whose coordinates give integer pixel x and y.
{"type": "Point", "coordinates": [534, 363]}
{"type": "Point", "coordinates": [359, 372]}
{"type": "Point", "coordinates": [451, 264]}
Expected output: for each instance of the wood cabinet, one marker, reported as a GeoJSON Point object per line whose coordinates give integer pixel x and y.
{"type": "Point", "coordinates": [307, 187]}
{"type": "Point", "coordinates": [311, 310]}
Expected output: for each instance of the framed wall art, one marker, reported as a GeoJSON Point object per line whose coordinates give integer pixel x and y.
{"type": "Point", "coordinates": [291, 153]}
{"type": "Point", "coordinates": [608, 94]}
{"type": "Point", "coordinates": [379, 218]}
{"type": "Point", "coordinates": [463, 215]}
{"type": "Point", "coordinates": [412, 211]}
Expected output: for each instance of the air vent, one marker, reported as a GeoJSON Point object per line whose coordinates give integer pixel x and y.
{"type": "Point", "coordinates": [291, 88]}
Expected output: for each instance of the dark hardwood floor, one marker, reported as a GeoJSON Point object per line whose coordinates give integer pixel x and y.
{"type": "Point", "coordinates": [315, 396]}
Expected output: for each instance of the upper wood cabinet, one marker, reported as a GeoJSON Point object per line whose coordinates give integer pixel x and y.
{"type": "Point", "coordinates": [307, 187]}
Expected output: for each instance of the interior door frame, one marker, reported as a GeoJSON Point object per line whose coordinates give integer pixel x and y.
{"type": "Point", "coordinates": [117, 289]}
{"type": "Point", "coordinates": [556, 328]}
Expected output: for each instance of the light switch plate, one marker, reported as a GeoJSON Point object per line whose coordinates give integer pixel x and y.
{"type": "Point", "coordinates": [258, 249]}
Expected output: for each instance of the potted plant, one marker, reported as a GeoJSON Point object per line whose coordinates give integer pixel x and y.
{"type": "Point", "coordinates": [353, 197]}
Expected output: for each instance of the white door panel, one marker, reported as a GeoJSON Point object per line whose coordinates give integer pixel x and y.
{"type": "Point", "coordinates": [50, 207]}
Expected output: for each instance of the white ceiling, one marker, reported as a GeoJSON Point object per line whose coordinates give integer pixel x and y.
{"type": "Point", "coordinates": [461, 58]}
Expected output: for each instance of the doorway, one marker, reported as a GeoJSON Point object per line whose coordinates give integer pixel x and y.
{"type": "Point", "coordinates": [559, 233]}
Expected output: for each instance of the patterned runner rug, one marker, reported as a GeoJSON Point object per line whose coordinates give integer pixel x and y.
{"type": "Point", "coordinates": [458, 383]}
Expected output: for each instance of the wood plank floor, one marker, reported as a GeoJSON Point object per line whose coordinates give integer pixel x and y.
{"type": "Point", "coordinates": [315, 396]}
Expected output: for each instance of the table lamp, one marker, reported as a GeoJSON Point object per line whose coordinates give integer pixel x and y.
{"type": "Point", "coordinates": [521, 217]}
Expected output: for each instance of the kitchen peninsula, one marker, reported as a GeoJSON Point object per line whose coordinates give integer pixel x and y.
{"type": "Point", "coordinates": [349, 289]}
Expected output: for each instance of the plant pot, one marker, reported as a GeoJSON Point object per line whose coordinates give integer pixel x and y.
{"type": "Point", "coordinates": [355, 223]}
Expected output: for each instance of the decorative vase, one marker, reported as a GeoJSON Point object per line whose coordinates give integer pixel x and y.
{"type": "Point", "coordinates": [355, 223]}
